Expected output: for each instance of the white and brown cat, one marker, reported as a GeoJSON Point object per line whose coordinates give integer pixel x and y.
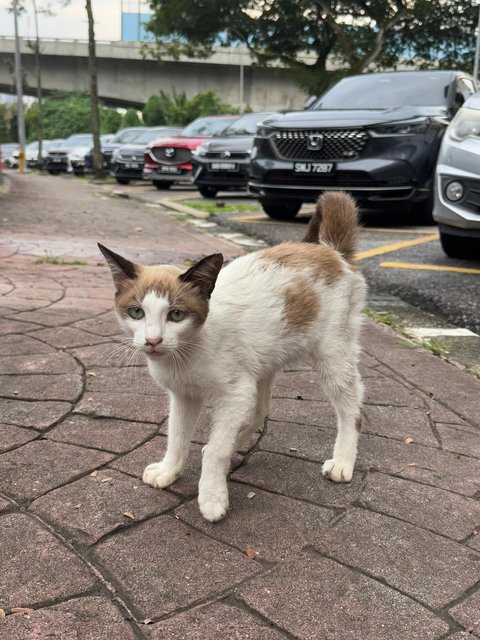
{"type": "Point", "coordinates": [218, 336]}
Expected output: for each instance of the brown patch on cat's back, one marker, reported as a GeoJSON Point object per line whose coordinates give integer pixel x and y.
{"type": "Point", "coordinates": [302, 304]}
{"type": "Point", "coordinates": [322, 260]}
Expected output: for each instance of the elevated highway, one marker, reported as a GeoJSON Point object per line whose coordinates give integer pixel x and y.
{"type": "Point", "coordinates": [126, 78]}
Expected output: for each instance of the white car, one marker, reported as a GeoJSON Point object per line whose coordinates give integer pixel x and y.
{"type": "Point", "coordinates": [457, 183]}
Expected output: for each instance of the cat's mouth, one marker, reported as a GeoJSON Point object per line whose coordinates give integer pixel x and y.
{"type": "Point", "coordinates": [153, 353]}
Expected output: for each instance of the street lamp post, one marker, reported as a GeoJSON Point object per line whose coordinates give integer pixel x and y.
{"type": "Point", "coordinates": [19, 88]}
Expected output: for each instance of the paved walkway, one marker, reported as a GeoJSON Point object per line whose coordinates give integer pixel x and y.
{"type": "Point", "coordinates": [89, 552]}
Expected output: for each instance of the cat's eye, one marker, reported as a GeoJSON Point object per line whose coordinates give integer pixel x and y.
{"type": "Point", "coordinates": [136, 313]}
{"type": "Point", "coordinates": [176, 315]}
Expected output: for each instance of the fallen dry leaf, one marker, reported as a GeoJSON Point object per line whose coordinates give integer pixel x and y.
{"type": "Point", "coordinates": [20, 610]}
{"type": "Point", "coordinates": [91, 373]}
{"type": "Point", "coordinates": [408, 440]}
{"type": "Point", "coordinates": [474, 532]}
{"type": "Point", "coordinates": [147, 621]}
{"type": "Point", "coordinates": [94, 474]}
{"type": "Point", "coordinates": [251, 552]}
{"type": "Point", "coordinates": [293, 449]}
{"type": "Point", "coordinates": [138, 228]}
{"type": "Point", "coordinates": [77, 506]}
{"type": "Point", "coordinates": [2, 614]}
{"type": "Point", "coordinates": [107, 479]}
{"type": "Point", "coordinates": [251, 494]}
{"type": "Point", "coordinates": [412, 464]}
{"type": "Point", "coordinates": [127, 514]}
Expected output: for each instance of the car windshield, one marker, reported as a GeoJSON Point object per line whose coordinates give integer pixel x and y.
{"type": "Point", "coordinates": [78, 141]}
{"type": "Point", "coordinates": [33, 146]}
{"type": "Point", "coordinates": [150, 135]}
{"type": "Point", "coordinates": [207, 126]}
{"type": "Point", "coordinates": [383, 91]}
{"type": "Point", "coordinates": [127, 136]}
{"type": "Point", "coordinates": [246, 125]}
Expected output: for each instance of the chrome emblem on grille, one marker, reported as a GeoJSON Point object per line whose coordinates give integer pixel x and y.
{"type": "Point", "coordinates": [226, 154]}
{"type": "Point", "coordinates": [314, 141]}
{"type": "Point", "coordinates": [169, 152]}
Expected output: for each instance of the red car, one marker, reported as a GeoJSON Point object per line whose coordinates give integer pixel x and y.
{"type": "Point", "coordinates": [169, 160]}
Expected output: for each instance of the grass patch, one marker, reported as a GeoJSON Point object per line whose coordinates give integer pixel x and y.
{"type": "Point", "coordinates": [48, 259]}
{"type": "Point", "coordinates": [475, 371]}
{"type": "Point", "coordinates": [214, 208]}
{"type": "Point", "coordinates": [383, 317]}
{"type": "Point", "coordinates": [434, 346]}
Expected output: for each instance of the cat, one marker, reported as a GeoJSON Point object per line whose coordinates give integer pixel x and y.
{"type": "Point", "coordinates": [219, 336]}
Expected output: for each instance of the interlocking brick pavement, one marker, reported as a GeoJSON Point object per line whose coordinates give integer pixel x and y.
{"type": "Point", "coordinates": [88, 551]}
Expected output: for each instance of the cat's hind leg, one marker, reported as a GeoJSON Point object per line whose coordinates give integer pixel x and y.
{"type": "Point", "coordinates": [344, 386]}
{"type": "Point", "coordinates": [184, 412]}
{"type": "Point", "coordinates": [264, 392]}
{"type": "Point", "coordinates": [234, 413]}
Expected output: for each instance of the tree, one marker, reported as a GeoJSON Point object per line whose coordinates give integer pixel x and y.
{"type": "Point", "coordinates": [64, 114]}
{"type": "Point", "coordinates": [355, 35]}
{"type": "Point", "coordinates": [94, 104]}
{"type": "Point", "coordinates": [131, 119]}
{"type": "Point", "coordinates": [5, 117]}
{"type": "Point", "coordinates": [177, 109]}
{"type": "Point", "coordinates": [110, 120]}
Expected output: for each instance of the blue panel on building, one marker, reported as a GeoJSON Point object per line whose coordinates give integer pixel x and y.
{"type": "Point", "coordinates": [133, 27]}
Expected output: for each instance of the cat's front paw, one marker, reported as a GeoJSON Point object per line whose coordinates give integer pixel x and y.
{"type": "Point", "coordinates": [338, 470]}
{"type": "Point", "coordinates": [213, 505]}
{"type": "Point", "coordinates": [160, 474]}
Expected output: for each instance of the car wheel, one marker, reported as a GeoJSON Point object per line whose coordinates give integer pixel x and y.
{"type": "Point", "coordinates": [79, 173]}
{"type": "Point", "coordinates": [459, 246]}
{"type": "Point", "coordinates": [162, 184]}
{"type": "Point", "coordinates": [122, 180]}
{"type": "Point", "coordinates": [208, 192]}
{"type": "Point", "coordinates": [53, 172]}
{"type": "Point", "coordinates": [281, 210]}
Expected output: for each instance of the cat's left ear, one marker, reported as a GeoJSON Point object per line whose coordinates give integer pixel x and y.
{"type": "Point", "coordinates": [122, 269]}
{"type": "Point", "coordinates": [203, 274]}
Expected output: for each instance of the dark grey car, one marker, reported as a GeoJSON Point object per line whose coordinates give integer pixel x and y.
{"type": "Point", "coordinates": [374, 135]}
{"type": "Point", "coordinates": [221, 164]}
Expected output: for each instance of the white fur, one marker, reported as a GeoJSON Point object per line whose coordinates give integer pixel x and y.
{"type": "Point", "coordinates": [231, 360]}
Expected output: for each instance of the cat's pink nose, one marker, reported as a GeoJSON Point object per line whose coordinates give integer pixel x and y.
{"type": "Point", "coordinates": [152, 342]}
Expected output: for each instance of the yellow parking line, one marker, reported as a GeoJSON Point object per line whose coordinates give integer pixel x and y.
{"type": "Point", "coordinates": [388, 248]}
{"type": "Point", "coordinates": [428, 267]}
{"type": "Point", "coordinates": [393, 230]}
{"type": "Point", "coordinates": [260, 218]}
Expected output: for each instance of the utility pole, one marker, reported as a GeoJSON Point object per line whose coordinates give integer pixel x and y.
{"type": "Point", "coordinates": [92, 69]}
{"type": "Point", "coordinates": [39, 89]}
{"type": "Point", "coordinates": [19, 88]}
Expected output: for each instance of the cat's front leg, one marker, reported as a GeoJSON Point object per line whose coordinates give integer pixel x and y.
{"type": "Point", "coordinates": [236, 411]}
{"type": "Point", "coordinates": [184, 411]}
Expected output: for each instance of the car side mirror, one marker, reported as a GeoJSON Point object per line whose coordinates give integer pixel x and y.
{"type": "Point", "coordinates": [309, 102]}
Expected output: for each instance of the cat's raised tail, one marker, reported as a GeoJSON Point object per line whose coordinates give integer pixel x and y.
{"type": "Point", "coordinates": [335, 223]}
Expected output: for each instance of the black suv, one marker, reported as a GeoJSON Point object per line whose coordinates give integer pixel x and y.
{"type": "Point", "coordinates": [375, 135]}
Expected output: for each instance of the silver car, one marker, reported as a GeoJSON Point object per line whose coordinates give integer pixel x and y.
{"type": "Point", "coordinates": [457, 183]}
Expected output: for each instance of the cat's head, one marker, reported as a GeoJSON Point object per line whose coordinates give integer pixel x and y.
{"type": "Point", "coordinates": [162, 307]}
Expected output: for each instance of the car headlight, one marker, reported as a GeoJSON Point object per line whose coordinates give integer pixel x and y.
{"type": "Point", "coordinates": [408, 127]}
{"type": "Point", "coordinates": [202, 150]}
{"type": "Point", "coordinates": [116, 154]}
{"type": "Point", "coordinates": [264, 131]}
{"type": "Point", "coordinates": [466, 124]}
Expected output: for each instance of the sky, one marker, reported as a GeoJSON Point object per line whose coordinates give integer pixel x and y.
{"type": "Point", "coordinates": [67, 22]}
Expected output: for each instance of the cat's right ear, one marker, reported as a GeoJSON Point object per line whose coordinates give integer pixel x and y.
{"type": "Point", "coordinates": [122, 269]}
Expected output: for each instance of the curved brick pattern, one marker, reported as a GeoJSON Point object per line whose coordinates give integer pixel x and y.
{"type": "Point", "coordinates": [117, 436]}
{"type": "Point", "coordinates": [104, 325]}
{"type": "Point", "coordinates": [298, 440]}
{"type": "Point", "coordinates": [443, 512]}
{"type": "Point", "coordinates": [42, 387]}
{"type": "Point", "coordinates": [78, 619]}
{"type": "Point", "coordinates": [218, 621]}
{"type": "Point", "coordinates": [164, 565]}
{"type": "Point", "coordinates": [297, 479]}
{"type": "Point", "coordinates": [127, 406]}
{"type": "Point", "coordinates": [385, 391]}
{"type": "Point", "coordinates": [68, 337]}
{"type": "Point", "coordinates": [4, 504]}
{"type": "Point", "coordinates": [318, 598]}
{"type": "Point", "coordinates": [36, 567]}
{"type": "Point", "coordinates": [40, 415]}
{"type": "Point", "coordinates": [38, 363]}
{"type": "Point", "coordinates": [275, 526]}
{"type": "Point", "coordinates": [468, 613]}
{"type": "Point", "coordinates": [459, 441]}
{"type": "Point", "coordinates": [304, 385]}
{"type": "Point", "coordinates": [23, 345]}
{"type": "Point", "coordinates": [96, 505]}
{"type": "Point", "coordinates": [422, 564]}
{"type": "Point", "coordinates": [399, 423]}
{"type": "Point", "coordinates": [11, 436]}
{"type": "Point", "coordinates": [8, 326]}
{"type": "Point", "coordinates": [320, 414]}
{"type": "Point", "coordinates": [120, 379]}
{"type": "Point", "coordinates": [39, 466]}
{"type": "Point", "coordinates": [106, 354]}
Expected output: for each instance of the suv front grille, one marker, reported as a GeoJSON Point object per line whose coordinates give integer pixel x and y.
{"type": "Point", "coordinates": [319, 144]}
{"type": "Point", "coordinates": [171, 155]}
{"type": "Point", "coordinates": [347, 179]}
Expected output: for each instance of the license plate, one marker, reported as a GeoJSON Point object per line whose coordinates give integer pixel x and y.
{"type": "Point", "coordinates": [168, 168]}
{"type": "Point", "coordinates": [57, 159]}
{"type": "Point", "coordinates": [131, 165]}
{"type": "Point", "coordinates": [223, 166]}
{"type": "Point", "coordinates": [313, 167]}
